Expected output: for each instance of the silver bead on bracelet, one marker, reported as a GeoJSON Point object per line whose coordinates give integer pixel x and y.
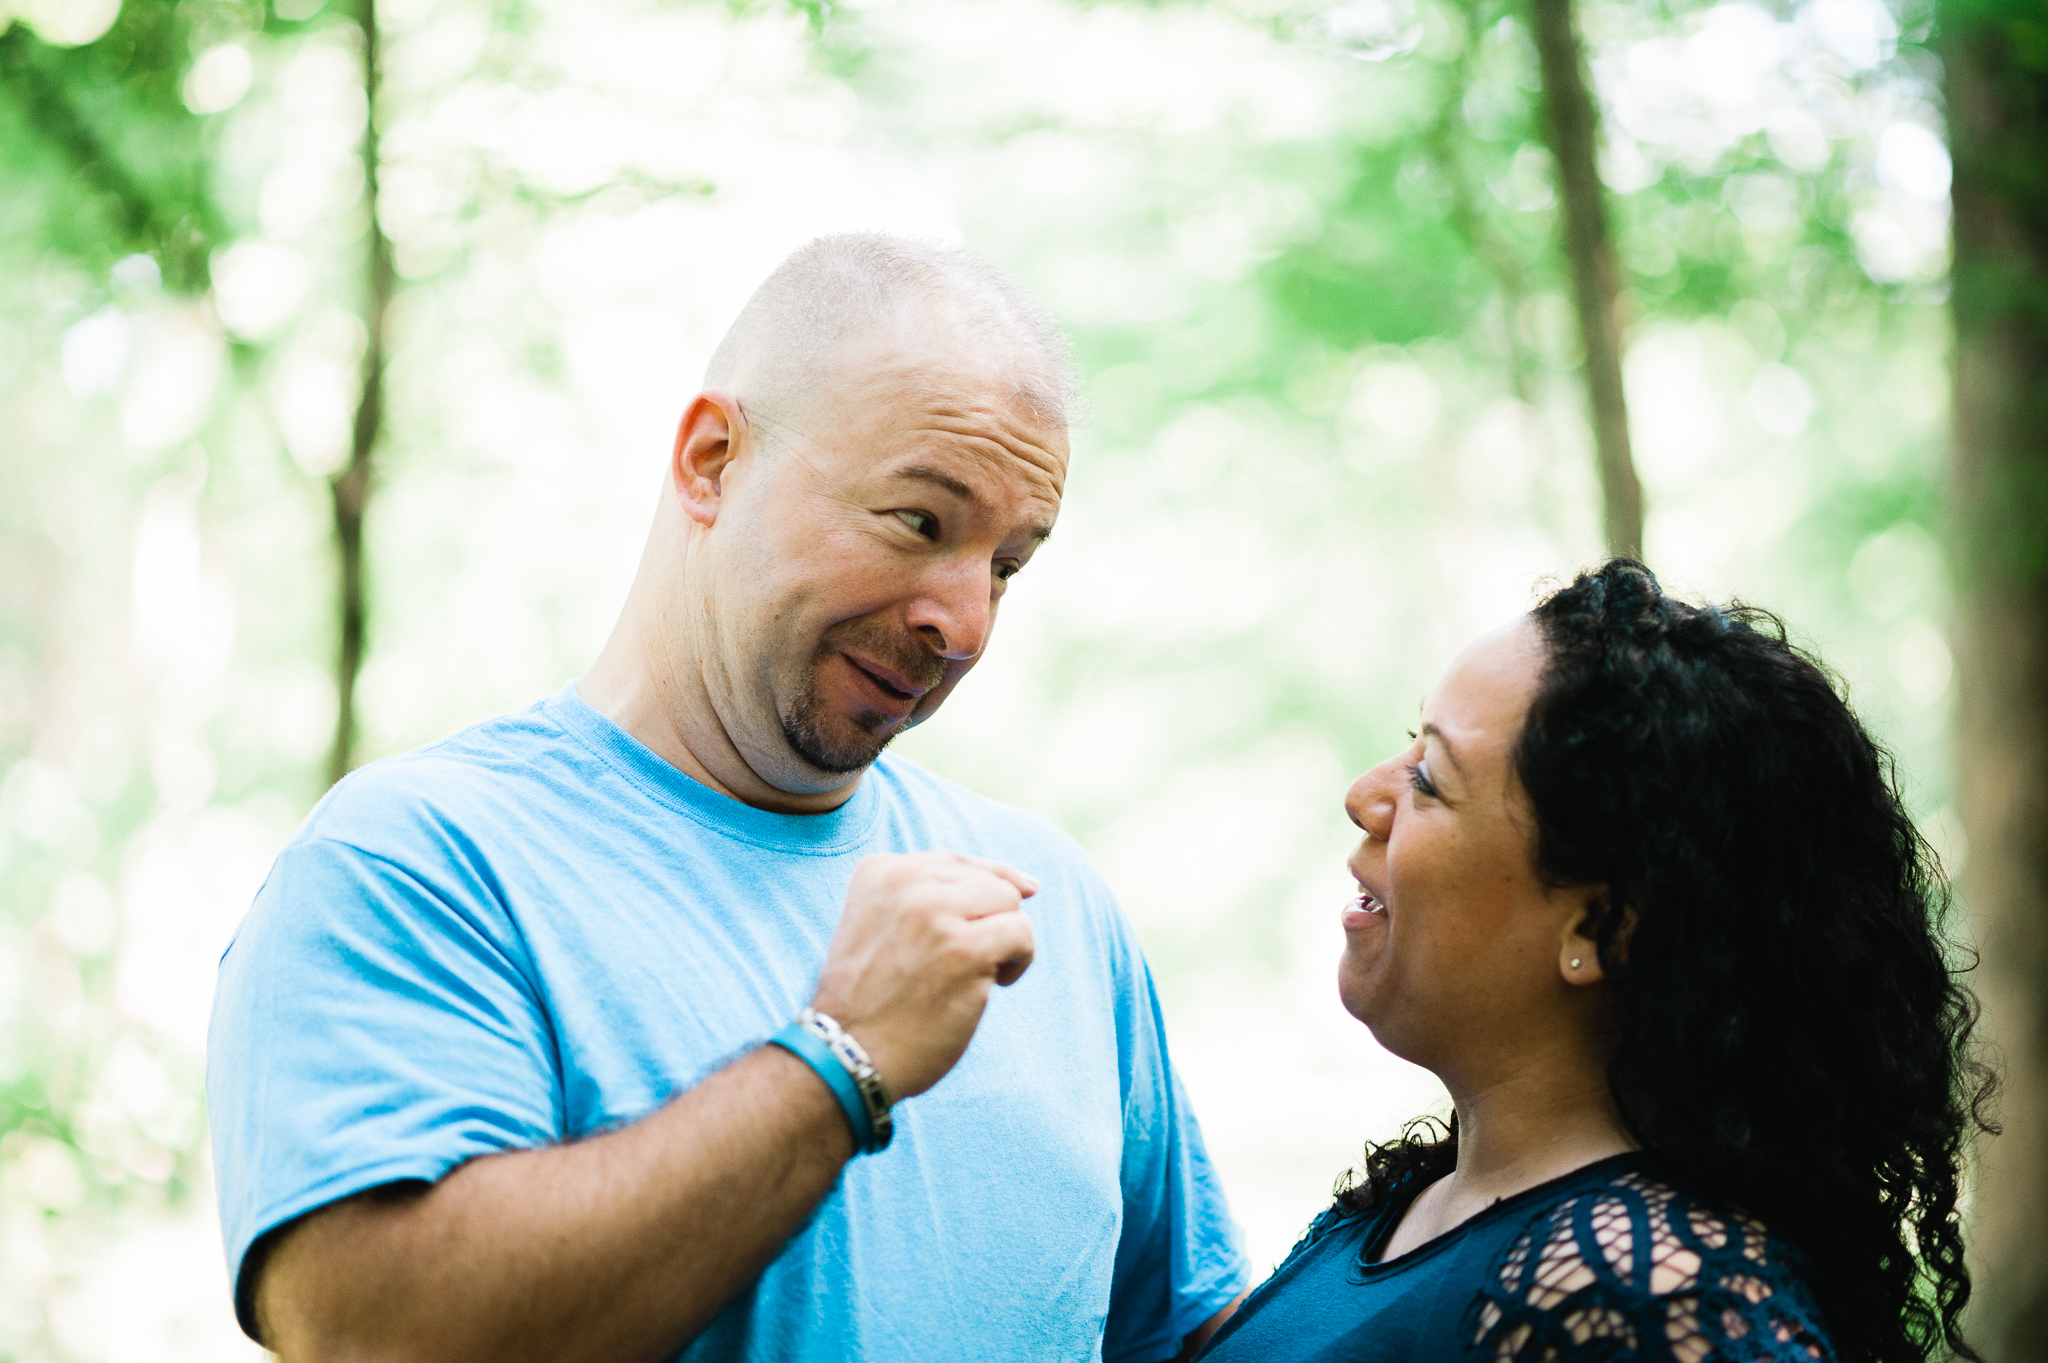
{"type": "Point", "coordinates": [866, 1078]}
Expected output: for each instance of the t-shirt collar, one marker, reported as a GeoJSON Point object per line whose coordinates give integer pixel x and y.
{"type": "Point", "coordinates": [826, 834]}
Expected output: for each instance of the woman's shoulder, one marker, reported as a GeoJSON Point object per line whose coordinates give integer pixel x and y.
{"type": "Point", "coordinates": [1334, 1222]}
{"type": "Point", "coordinates": [1627, 1266]}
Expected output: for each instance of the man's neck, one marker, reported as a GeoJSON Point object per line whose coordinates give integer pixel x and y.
{"type": "Point", "coordinates": [661, 700]}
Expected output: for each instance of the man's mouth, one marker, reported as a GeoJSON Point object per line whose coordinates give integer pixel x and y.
{"type": "Point", "coordinates": [891, 682]}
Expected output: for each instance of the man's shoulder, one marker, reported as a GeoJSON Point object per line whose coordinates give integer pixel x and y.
{"type": "Point", "coordinates": [510, 764]}
{"type": "Point", "coordinates": [943, 800]}
{"type": "Point", "coordinates": [939, 812]}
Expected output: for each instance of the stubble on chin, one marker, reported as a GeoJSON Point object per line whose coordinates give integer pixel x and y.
{"type": "Point", "coordinates": [803, 728]}
{"type": "Point", "coordinates": [808, 723]}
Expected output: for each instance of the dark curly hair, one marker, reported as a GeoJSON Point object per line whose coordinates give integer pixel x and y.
{"type": "Point", "coordinates": [1790, 1035]}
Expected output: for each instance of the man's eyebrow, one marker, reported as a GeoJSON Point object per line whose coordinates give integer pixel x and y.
{"type": "Point", "coordinates": [1431, 731]}
{"type": "Point", "coordinates": [939, 477]}
{"type": "Point", "coordinates": [928, 474]}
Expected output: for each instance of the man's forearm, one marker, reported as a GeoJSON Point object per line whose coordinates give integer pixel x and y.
{"type": "Point", "coordinates": [614, 1249]}
{"type": "Point", "coordinates": [1206, 1331]}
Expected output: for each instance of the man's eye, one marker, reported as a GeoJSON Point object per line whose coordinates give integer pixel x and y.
{"type": "Point", "coordinates": [1006, 571]}
{"type": "Point", "coordinates": [922, 523]}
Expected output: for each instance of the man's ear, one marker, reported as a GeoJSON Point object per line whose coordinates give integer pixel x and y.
{"type": "Point", "coordinates": [1578, 953]}
{"type": "Point", "coordinates": [708, 439]}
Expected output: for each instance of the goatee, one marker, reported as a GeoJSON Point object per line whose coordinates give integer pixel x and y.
{"type": "Point", "coordinates": [805, 718]}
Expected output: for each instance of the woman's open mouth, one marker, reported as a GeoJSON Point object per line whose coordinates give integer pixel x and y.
{"type": "Point", "coordinates": [1361, 909]}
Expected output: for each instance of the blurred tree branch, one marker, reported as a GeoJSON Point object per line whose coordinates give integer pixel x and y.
{"type": "Point", "coordinates": [1489, 245]}
{"type": "Point", "coordinates": [1574, 130]}
{"type": "Point", "coordinates": [351, 486]}
{"type": "Point", "coordinates": [1995, 55]}
{"type": "Point", "coordinates": [627, 190]}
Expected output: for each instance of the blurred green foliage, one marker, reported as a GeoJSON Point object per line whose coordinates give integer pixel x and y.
{"type": "Point", "coordinates": [1307, 254]}
{"type": "Point", "coordinates": [102, 158]}
{"type": "Point", "coordinates": [1415, 230]}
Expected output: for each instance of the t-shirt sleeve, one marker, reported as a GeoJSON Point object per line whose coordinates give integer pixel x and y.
{"type": "Point", "coordinates": [1179, 1260]}
{"type": "Point", "coordinates": [373, 1024]}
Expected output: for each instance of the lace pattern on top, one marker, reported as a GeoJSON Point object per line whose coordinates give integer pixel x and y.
{"type": "Point", "coordinates": [1637, 1271]}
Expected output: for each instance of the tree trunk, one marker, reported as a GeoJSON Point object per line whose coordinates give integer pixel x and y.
{"type": "Point", "coordinates": [1996, 58]}
{"type": "Point", "coordinates": [351, 486]}
{"type": "Point", "coordinates": [1574, 128]}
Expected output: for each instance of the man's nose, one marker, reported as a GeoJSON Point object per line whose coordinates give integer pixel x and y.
{"type": "Point", "coordinates": [1371, 800]}
{"type": "Point", "coordinates": [954, 610]}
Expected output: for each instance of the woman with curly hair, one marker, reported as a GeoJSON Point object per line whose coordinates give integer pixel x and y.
{"type": "Point", "coordinates": [1643, 894]}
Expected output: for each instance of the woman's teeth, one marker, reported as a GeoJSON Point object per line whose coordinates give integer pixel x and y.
{"type": "Point", "coordinates": [1370, 905]}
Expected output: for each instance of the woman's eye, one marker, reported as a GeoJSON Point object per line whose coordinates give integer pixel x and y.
{"type": "Point", "coordinates": [1418, 777]}
{"type": "Point", "coordinates": [1006, 571]}
{"type": "Point", "coordinates": [922, 523]}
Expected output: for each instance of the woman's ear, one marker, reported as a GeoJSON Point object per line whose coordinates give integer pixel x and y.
{"type": "Point", "coordinates": [1578, 954]}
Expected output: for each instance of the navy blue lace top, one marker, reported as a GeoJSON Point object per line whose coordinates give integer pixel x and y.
{"type": "Point", "coordinates": [1608, 1264]}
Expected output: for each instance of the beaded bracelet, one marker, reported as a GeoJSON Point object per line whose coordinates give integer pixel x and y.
{"type": "Point", "coordinates": [820, 1042]}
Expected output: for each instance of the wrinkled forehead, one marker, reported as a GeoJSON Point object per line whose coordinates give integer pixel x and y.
{"type": "Point", "coordinates": [930, 352]}
{"type": "Point", "coordinates": [897, 383]}
{"type": "Point", "coordinates": [878, 396]}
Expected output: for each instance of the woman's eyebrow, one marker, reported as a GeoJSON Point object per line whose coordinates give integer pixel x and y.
{"type": "Point", "coordinates": [1450, 751]}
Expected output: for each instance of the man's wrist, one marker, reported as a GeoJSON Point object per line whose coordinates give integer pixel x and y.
{"type": "Point", "coordinates": [820, 1042]}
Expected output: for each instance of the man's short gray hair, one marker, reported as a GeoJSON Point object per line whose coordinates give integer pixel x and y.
{"type": "Point", "coordinates": [838, 286]}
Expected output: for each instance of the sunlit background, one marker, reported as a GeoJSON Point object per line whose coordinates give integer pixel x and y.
{"type": "Point", "coordinates": [1308, 258]}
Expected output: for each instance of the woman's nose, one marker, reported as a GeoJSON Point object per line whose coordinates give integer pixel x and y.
{"type": "Point", "coordinates": [1371, 799]}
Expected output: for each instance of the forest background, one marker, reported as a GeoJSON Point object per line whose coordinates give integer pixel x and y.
{"type": "Point", "coordinates": [340, 348]}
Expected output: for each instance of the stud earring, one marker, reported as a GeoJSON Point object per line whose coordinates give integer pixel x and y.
{"type": "Point", "coordinates": [1575, 962]}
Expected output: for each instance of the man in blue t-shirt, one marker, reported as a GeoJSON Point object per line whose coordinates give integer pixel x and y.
{"type": "Point", "coordinates": [486, 1073]}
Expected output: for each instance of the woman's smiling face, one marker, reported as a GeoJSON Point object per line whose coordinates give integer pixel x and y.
{"type": "Point", "coordinates": [1455, 946]}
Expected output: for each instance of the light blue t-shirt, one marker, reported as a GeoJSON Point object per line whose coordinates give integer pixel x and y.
{"type": "Point", "coordinates": [538, 929]}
